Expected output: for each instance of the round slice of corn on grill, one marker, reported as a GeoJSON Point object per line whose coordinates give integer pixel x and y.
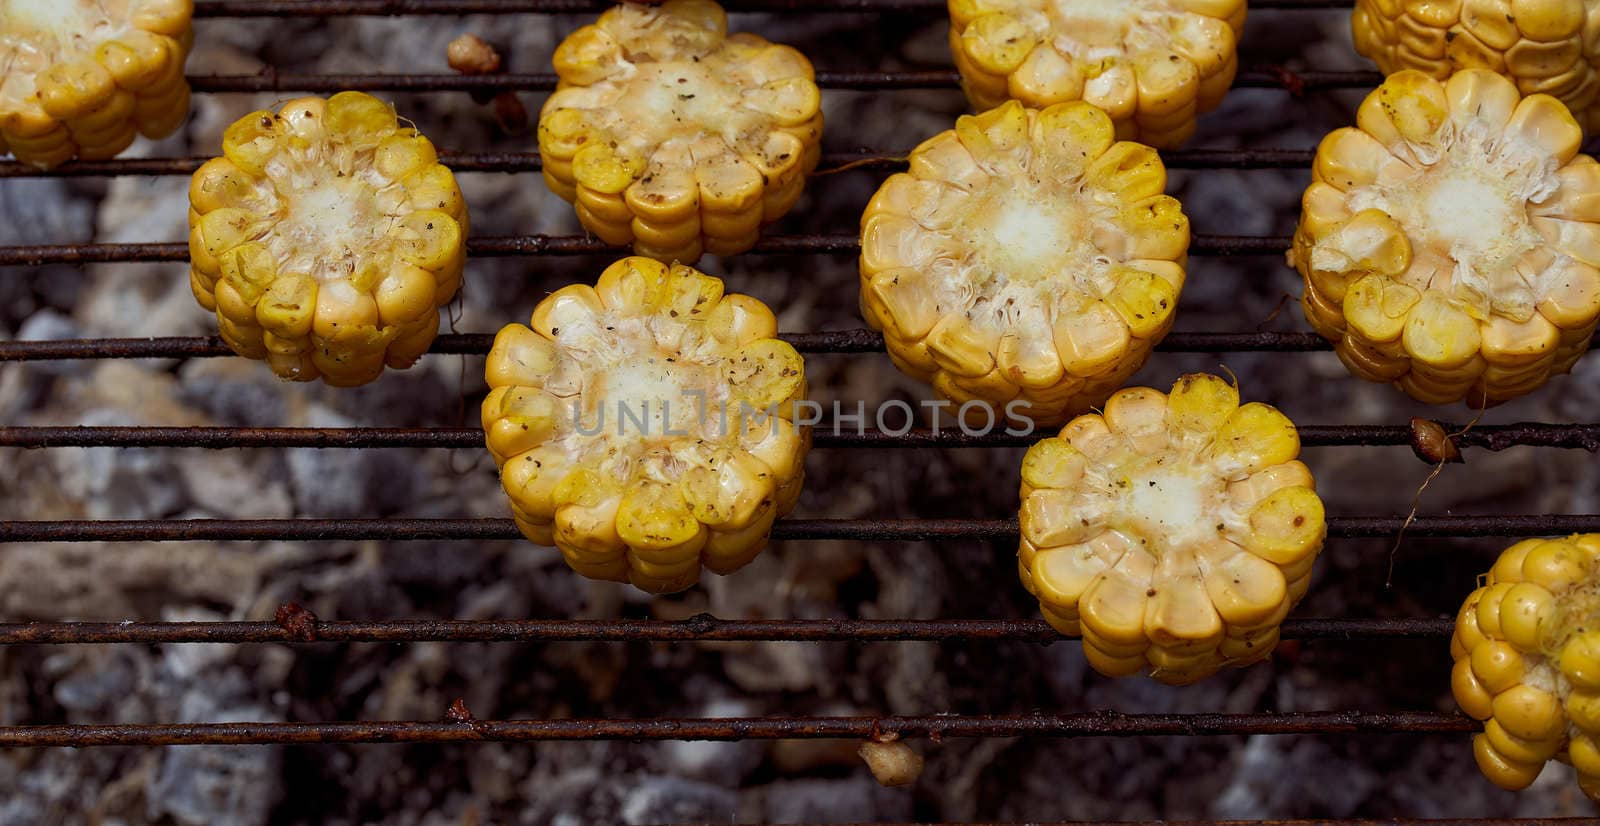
{"type": "Point", "coordinates": [1448, 242]}
{"type": "Point", "coordinates": [1172, 531]}
{"type": "Point", "coordinates": [645, 425]}
{"type": "Point", "coordinates": [1544, 46]}
{"type": "Point", "coordinates": [326, 238]}
{"type": "Point", "coordinates": [1028, 261]}
{"type": "Point", "coordinates": [1153, 65]}
{"type": "Point", "coordinates": [1527, 661]}
{"type": "Point", "coordinates": [674, 137]}
{"type": "Point", "coordinates": [82, 78]}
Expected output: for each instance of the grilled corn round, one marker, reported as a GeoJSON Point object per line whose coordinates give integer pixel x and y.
{"type": "Point", "coordinates": [1172, 531]}
{"type": "Point", "coordinates": [1028, 261]}
{"type": "Point", "coordinates": [1544, 46]}
{"type": "Point", "coordinates": [1448, 242]}
{"type": "Point", "coordinates": [1153, 65]}
{"type": "Point", "coordinates": [670, 135]}
{"type": "Point", "coordinates": [644, 425]}
{"type": "Point", "coordinates": [325, 238]}
{"type": "Point", "coordinates": [82, 78]}
{"type": "Point", "coordinates": [1527, 662]}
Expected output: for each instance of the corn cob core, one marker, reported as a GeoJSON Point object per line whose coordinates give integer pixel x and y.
{"type": "Point", "coordinates": [1026, 257]}
{"type": "Point", "coordinates": [326, 238]}
{"type": "Point", "coordinates": [644, 425]}
{"type": "Point", "coordinates": [672, 136]}
{"type": "Point", "coordinates": [1527, 661]}
{"type": "Point", "coordinates": [1544, 46]}
{"type": "Point", "coordinates": [1172, 531]}
{"type": "Point", "coordinates": [1448, 242]}
{"type": "Point", "coordinates": [1153, 65]}
{"type": "Point", "coordinates": [82, 78]}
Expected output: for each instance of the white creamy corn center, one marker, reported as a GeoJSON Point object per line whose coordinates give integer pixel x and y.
{"type": "Point", "coordinates": [1170, 504]}
{"type": "Point", "coordinates": [331, 224]}
{"type": "Point", "coordinates": [1464, 213]}
{"type": "Point", "coordinates": [651, 397]}
{"type": "Point", "coordinates": [1033, 245]}
{"type": "Point", "coordinates": [1095, 28]}
{"type": "Point", "coordinates": [1025, 237]}
{"type": "Point", "coordinates": [40, 32]}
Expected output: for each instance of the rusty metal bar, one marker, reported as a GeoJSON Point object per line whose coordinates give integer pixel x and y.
{"type": "Point", "coordinates": [876, 530]}
{"type": "Point", "coordinates": [1387, 821]}
{"type": "Point", "coordinates": [477, 344]}
{"type": "Point", "coordinates": [344, 8]}
{"type": "Point", "coordinates": [565, 245]}
{"type": "Point", "coordinates": [1490, 437]}
{"type": "Point", "coordinates": [702, 628]}
{"type": "Point", "coordinates": [529, 162]}
{"type": "Point", "coordinates": [272, 80]}
{"type": "Point", "coordinates": [1085, 724]}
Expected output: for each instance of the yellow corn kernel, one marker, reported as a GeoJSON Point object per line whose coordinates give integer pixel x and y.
{"type": "Point", "coordinates": [1540, 44]}
{"type": "Point", "coordinates": [1172, 558]}
{"type": "Point", "coordinates": [1433, 253]}
{"type": "Point", "coordinates": [674, 138]}
{"type": "Point", "coordinates": [645, 425]}
{"type": "Point", "coordinates": [1024, 253]}
{"type": "Point", "coordinates": [1527, 664]}
{"type": "Point", "coordinates": [1152, 67]}
{"type": "Point", "coordinates": [338, 266]}
{"type": "Point", "coordinates": [84, 77]}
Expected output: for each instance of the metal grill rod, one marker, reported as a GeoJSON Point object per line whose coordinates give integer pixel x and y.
{"type": "Point", "coordinates": [477, 344]}
{"type": "Point", "coordinates": [530, 162]}
{"type": "Point", "coordinates": [1491, 437]}
{"type": "Point", "coordinates": [565, 245]}
{"type": "Point", "coordinates": [348, 8]}
{"type": "Point", "coordinates": [702, 628]}
{"type": "Point", "coordinates": [1086, 724]}
{"type": "Point", "coordinates": [272, 80]}
{"type": "Point", "coordinates": [878, 530]}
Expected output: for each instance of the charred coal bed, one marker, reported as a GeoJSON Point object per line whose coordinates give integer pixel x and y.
{"type": "Point", "coordinates": [1369, 775]}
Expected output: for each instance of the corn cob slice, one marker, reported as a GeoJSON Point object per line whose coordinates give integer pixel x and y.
{"type": "Point", "coordinates": [326, 238]}
{"type": "Point", "coordinates": [1449, 243]}
{"type": "Point", "coordinates": [1026, 258]}
{"type": "Point", "coordinates": [1527, 662]}
{"type": "Point", "coordinates": [1153, 65]}
{"type": "Point", "coordinates": [644, 425]}
{"type": "Point", "coordinates": [82, 78]}
{"type": "Point", "coordinates": [1173, 532]}
{"type": "Point", "coordinates": [673, 136]}
{"type": "Point", "coordinates": [1544, 46]}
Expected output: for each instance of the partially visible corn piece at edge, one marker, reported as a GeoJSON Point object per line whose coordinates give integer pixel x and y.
{"type": "Point", "coordinates": [1153, 65]}
{"type": "Point", "coordinates": [1449, 241]}
{"type": "Point", "coordinates": [82, 78]}
{"type": "Point", "coordinates": [326, 238]}
{"type": "Point", "coordinates": [1544, 46]}
{"type": "Point", "coordinates": [1527, 662]}
{"type": "Point", "coordinates": [1172, 531]}
{"type": "Point", "coordinates": [1027, 262]}
{"type": "Point", "coordinates": [645, 425]}
{"type": "Point", "coordinates": [672, 136]}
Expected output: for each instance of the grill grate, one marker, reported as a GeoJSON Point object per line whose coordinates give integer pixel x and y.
{"type": "Point", "coordinates": [702, 627]}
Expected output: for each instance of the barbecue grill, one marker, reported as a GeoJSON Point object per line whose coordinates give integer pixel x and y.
{"type": "Point", "coordinates": [1000, 529]}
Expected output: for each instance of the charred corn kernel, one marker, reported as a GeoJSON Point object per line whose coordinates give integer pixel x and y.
{"type": "Point", "coordinates": [326, 238]}
{"type": "Point", "coordinates": [645, 425]}
{"type": "Point", "coordinates": [1544, 46]}
{"type": "Point", "coordinates": [1153, 65]}
{"type": "Point", "coordinates": [1173, 531]}
{"type": "Point", "coordinates": [82, 78]}
{"type": "Point", "coordinates": [1527, 656]}
{"type": "Point", "coordinates": [673, 137]}
{"type": "Point", "coordinates": [1448, 242]}
{"type": "Point", "coordinates": [1027, 261]}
